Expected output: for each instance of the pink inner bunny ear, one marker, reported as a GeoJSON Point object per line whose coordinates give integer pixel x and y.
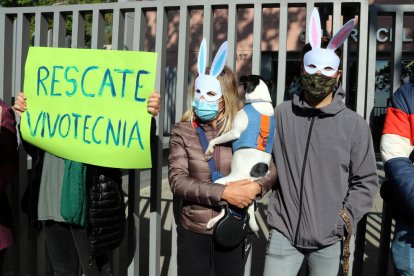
{"type": "Point", "coordinates": [315, 32]}
{"type": "Point", "coordinates": [341, 35]}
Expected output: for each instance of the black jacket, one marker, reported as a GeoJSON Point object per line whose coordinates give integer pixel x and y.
{"type": "Point", "coordinates": [105, 212]}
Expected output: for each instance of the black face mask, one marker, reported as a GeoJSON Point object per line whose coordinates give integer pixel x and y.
{"type": "Point", "coordinates": [318, 86]}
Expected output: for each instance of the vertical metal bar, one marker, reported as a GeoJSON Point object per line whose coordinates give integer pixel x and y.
{"type": "Point", "coordinates": [3, 56]}
{"type": "Point", "coordinates": [361, 110]}
{"type": "Point", "coordinates": [281, 64]}
{"type": "Point", "coordinates": [133, 220]}
{"type": "Point", "coordinates": [257, 38]}
{"type": "Point", "coordinates": [137, 45]}
{"type": "Point", "coordinates": [128, 30]}
{"type": "Point", "coordinates": [41, 26]}
{"type": "Point", "coordinates": [397, 49]}
{"type": "Point", "coordinates": [360, 234]}
{"type": "Point", "coordinates": [182, 63]}
{"type": "Point", "coordinates": [118, 27]}
{"type": "Point", "coordinates": [362, 62]}
{"type": "Point", "coordinates": [21, 48]}
{"type": "Point", "coordinates": [156, 173]}
{"type": "Point", "coordinates": [385, 240]}
{"type": "Point", "coordinates": [98, 23]}
{"type": "Point", "coordinates": [139, 23]}
{"type": "Point", "coordinates": [6, 57]}
{"type": "Point", "coordinates": [40, 39]}
{"type": "Point", "coordinates": [174, 235]}
{"type": "Point", "coordinates": [232, 35]}
{"type": "Point", "coordinates": [208, 30]}
{"type": "Point", "coordinates": [336, 17]}
{"type": "Point", "coordinates": [59, 30]}
{"type": "Point", "coordinates": [180, 102]}
{"type": "Point", "coordinates": [78, 30]}
{"type": "Point", "coordinates": [371, 60]}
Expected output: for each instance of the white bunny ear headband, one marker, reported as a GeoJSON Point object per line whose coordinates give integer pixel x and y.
{"type": "Point", "coordinates": [319, 59]}
{"type": "Point", "coordinates": [206, 83]}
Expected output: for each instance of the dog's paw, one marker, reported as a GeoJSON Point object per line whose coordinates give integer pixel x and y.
{"type": "Point", "coordinates": [209, 152]}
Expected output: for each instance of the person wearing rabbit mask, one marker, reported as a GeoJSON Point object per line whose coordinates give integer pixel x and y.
{"type": "Point", "coordinates": [214, 104]}
{"type": "Point", "coordinates": [326, 166]}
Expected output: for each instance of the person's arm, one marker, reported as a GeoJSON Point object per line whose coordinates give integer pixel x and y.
{"type": "Point", "coordinates": [8, 147]}
{"type": "Point", "coordinates": [257, 189]}
{"type": "Point", "coordinates": [397, 145]}
{"type": "Point", "coordinates": [363, 179]}
{"type": "Point", "coordinates": [182, 184]}
{"type": "Point", "coordinates": [202, 192]}
{"type": "Point", "coordinates": [19, 108]}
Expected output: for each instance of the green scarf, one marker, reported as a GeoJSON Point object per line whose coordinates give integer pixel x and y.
{"type": "Point", "coordinates": [73, 197]}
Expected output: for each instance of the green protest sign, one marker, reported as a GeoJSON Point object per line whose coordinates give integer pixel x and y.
{"type": "Point", "coordinates": [90, 105]}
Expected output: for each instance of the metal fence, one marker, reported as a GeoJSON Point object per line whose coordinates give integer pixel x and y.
{"type": "Point", "coordinates": [131, 29]}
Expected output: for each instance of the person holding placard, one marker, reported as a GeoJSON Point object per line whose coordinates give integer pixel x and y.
{"type": "Point", "coordinates": [8, 169]}
{"type": "Point", "coordinates": [78, 207]}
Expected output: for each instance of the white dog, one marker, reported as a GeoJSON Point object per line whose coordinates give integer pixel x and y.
{"type": "Point", "coordinates": [254, 129]}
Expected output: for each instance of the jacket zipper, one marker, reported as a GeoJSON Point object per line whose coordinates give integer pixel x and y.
{"type": "Point", "coordinates": [301, 180]}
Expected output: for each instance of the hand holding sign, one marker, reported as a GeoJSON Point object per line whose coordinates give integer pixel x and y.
{"type": "Point", "coordinates": [153, 103]}
{"type": "Point", "coordinates": [90, 105]}
{"type": "Point", "coordinates": [20, 104]}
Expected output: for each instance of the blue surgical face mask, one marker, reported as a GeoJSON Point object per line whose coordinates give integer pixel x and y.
{"type": "Point", "coordinates": [205, 110]}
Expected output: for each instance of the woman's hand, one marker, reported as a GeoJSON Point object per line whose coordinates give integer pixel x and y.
{"type": "Point", "coordinates": [20, 105]}
{"type": "Point", "coordinates": [241, 193]}
{"type": "Point", "coordinates": [153, 103]}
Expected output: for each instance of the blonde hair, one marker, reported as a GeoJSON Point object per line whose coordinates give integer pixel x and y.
{"type": "Point", "coordinates": [228, 84]}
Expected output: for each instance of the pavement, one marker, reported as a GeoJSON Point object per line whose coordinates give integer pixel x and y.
{"type": "Point", "coordinates": [372, 235]}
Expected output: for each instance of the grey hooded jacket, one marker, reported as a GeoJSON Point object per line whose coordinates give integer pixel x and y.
{"type": "Point", "coordinates": [325, 161]}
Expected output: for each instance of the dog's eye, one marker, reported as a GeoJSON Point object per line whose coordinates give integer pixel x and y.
{"type": "Point", "coordinates": [198, 91]}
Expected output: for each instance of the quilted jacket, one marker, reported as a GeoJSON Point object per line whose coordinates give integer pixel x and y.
{"type": "Point", "coordinates": [397, 144]}
{"type": "Point", "coordinates": [105, 218]}
{"type": "Point", "coordinates": [190, 180]}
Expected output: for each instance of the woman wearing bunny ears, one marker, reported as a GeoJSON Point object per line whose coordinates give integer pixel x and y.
{"type": "Point", "coordinates": [214, 104]}
{"type": "Point", "coordinates": [327, 176]}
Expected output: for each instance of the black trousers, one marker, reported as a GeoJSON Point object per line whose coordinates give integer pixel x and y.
{"type": "Point", "coordinates": [198, 255]}
{"type": "Point", "coordinates": [68, 251]}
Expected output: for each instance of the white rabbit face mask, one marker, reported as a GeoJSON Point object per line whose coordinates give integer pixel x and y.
{"type": "Point", "coordinates": [319, 59]}
{"type": "Point", "coordinates": [209, 83]}
{"type": "Point", "coordinates": [323, 60]}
